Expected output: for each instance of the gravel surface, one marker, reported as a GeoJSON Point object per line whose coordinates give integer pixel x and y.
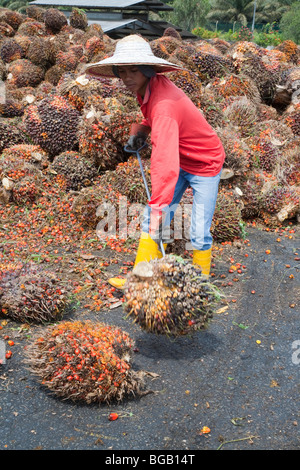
{"type": "Point", "coordinates": [239, 378]}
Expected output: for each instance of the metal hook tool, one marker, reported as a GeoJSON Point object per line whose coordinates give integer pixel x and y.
{"type": "Point", "coordinates": [137, 153]}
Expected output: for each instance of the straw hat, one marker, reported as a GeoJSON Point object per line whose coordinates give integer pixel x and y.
{"type": "Point", "coordinates": [131, 50]}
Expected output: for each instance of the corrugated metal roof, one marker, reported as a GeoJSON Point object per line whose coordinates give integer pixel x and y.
{"type": "Point", "coordinates": [87, 3]}
{"type": "Point", "coordinates": [111, 25]}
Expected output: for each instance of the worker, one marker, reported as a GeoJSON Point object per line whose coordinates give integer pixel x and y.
{"type": "Point", "coordinates": [186, 151]}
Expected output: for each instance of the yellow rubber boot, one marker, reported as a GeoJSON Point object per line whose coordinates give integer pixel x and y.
{"type": "Point", "coordinates": [203, 259]}
{"type": "Point", "coordinates": [147, 250]}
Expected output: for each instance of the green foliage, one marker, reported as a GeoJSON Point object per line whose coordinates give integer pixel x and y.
{"type": "Point", "coordinates": [268, 36]}
{"type": "Point", "coordinates": [17, 5]}
{"type": "Point", "coordinates": [290, 23]}
{"type": "Point", "coordinates": [188, 13]}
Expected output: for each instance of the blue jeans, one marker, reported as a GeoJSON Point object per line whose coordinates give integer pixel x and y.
{"type": "Point", "coordinates": [205, 192]}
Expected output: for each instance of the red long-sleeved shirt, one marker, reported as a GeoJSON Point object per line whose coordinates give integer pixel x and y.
{"type": "Point", "coordinates": [180, 137]}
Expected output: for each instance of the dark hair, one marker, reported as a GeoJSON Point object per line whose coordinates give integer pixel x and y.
{"type": "Point", "coordinates": [146, 70]}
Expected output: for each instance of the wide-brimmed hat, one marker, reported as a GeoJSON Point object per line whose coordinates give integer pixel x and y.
{"type": "Point", "coordinates": [131, 50]}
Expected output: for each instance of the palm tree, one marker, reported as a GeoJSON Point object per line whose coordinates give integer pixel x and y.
{"type": "Point", "coordinates": [18, 5]}
{"type": "Point", "coordinates": [229, 11]}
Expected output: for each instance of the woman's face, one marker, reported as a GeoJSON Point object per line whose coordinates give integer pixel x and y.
{"type": "Point", "coordinates": [133, 79]}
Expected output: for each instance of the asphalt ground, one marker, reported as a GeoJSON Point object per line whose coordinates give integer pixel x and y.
{"type": "Point", "coordinates": [234, 386]}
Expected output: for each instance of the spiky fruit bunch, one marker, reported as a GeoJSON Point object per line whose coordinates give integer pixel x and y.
{"type": "Point", "coordinates": [31, 27]}
{"type": "Point", "coordinates": [39, 52]}
{"type": "Point", "coordinates": [251, 188]}
{"type": "Point", "coordinates": [209, 66]}
{"type": "Point", "coordinates": [226, 223]}
{"type": "Point", "coordinates": [54, 74]}
{"type": "Point", "coordinates": [290, 49]}
{"type": "Point", "coordinates": [184, 55]}
{"type": "Point", "coordinates": [78, 19]}
{"type": "Point", "coordinates": [243, 114]}
{"type": "Point", "coordinates": [221, 44]}
{"type": "Point", "coordinates": [189, 83]}
{"type": "Point", "coordinates": [30, 295]}
{"type": "Point", "coordinates": [264, 78]}
{"type": "Point", "coordinates": [77, 89]}
{"type": "Point", "coordinates": [211, 109]}
{"type": "Point", "coordinates": [76, 170]}
{"type": "Point", "coordinates": [237, 85]}
{"type": "Point", "coordinates": [11, 108]}
{"type": "Point", "coordinates": [292, 118]}
{"type": "Point", "coordinates": [102, 136]}
{"type": "Point", "coordinates": [164, 46]}
{"type": "Point", "coordinates": [23, 72]}
{"type": "Point", "coordinates": [87, 206]}
{"type": "Point", "coordinates": [35, 12]}
{"type": "Point", "coordinates": [6, 30]}
{"type": "Point", "coordinates": [289, 169]}
{"type": "Point", "coordinates": [172, 32]}
{"type": "Point", "coordinates": [274, 200]}
{"type": "Point", "coordinates": [52, 123]}
{"type": "Point", "coordinates": [264, 153]}
{"type": "Point", "coordinates": [93, 47]}
{"type": "Point", "coordinates": [27, 189]}
{"type": "Point", "coordinates": [169, 296]}
{"type": "Point", "coordinates": [10, 51]}
{"type": "Point", "coordinates": [127, 179]}
{"type": "Point", "coordinates": [67, 61]}
{"type": "Point", "coordinates": [10, 135]}
{"type": "Point", "coordinates": [84, 362]}
{"type": "Point", "coordinates": [13, 18]}
{"type": "Point", "coordinates": [18, 160]}
{"type": "Point", "coordinates": [54, 20]}
{"type": "Point", "coordinates": [236, 149]}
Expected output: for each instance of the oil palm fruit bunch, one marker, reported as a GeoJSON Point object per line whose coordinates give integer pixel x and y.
{"type": "Point", "coordinates": [83, 361]}
{"type": "Point", "coordinates": [11, 50]}
{"type": "Point", "coordinates": [264, 78]}
{"type": "Point", "coordinates": [226, 223]}
{"type": "Point", "coordinates": [290, 49]}
{"type": "Point", "coordinates": [78, 19]}
{"type": "Point", "coordinates": [103, 134]}
{"type": "Point", "coordinates": [77, 89]}
{"type": "Point", "coordinates": [10, 134]}
{"type": "Point", "coordinates": [39, 52]}
{"type": "Point", "coordinates": [32, 27]}
{"type": "Point", "coordinates": [209, 66]}
{"type": "Point", "coordinates": [52, 123]}
{"type": "Point", "coordinates": [164, 46]}
{"type": "Point", "coordinates": [188, 82]}
{"type": "Point", "coordinates": [236, 149]}
{"type": "Point", "coordinates": [76, 170]}
{"type": "Point", "coordinates": [54, 20]}
{"type": "Point", "coordinates": [242, 113]}
{"type": "Point", "coordinates": [237, 85]}
{"type": "Point", "coordinates": [11, 108]}
{"type": "Point", "coordinates": [127, 179]}
{"type": "Point", "coordinates": [169, 296]}
{"type": "Point", "coordinates": [264, 153]}
{"type": "Point", "coordinates": [30, 295]}
{"type": "Point", "coordinates": [280, 201]}
{"type": "Point", "coordinates": [251, 188]}
{"type": "Point", "coordinates": [292, 118]}
{"type": "Point", "coordinates": [22, 72]}
{"type": "Point", "coordinates": [12, 17]}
